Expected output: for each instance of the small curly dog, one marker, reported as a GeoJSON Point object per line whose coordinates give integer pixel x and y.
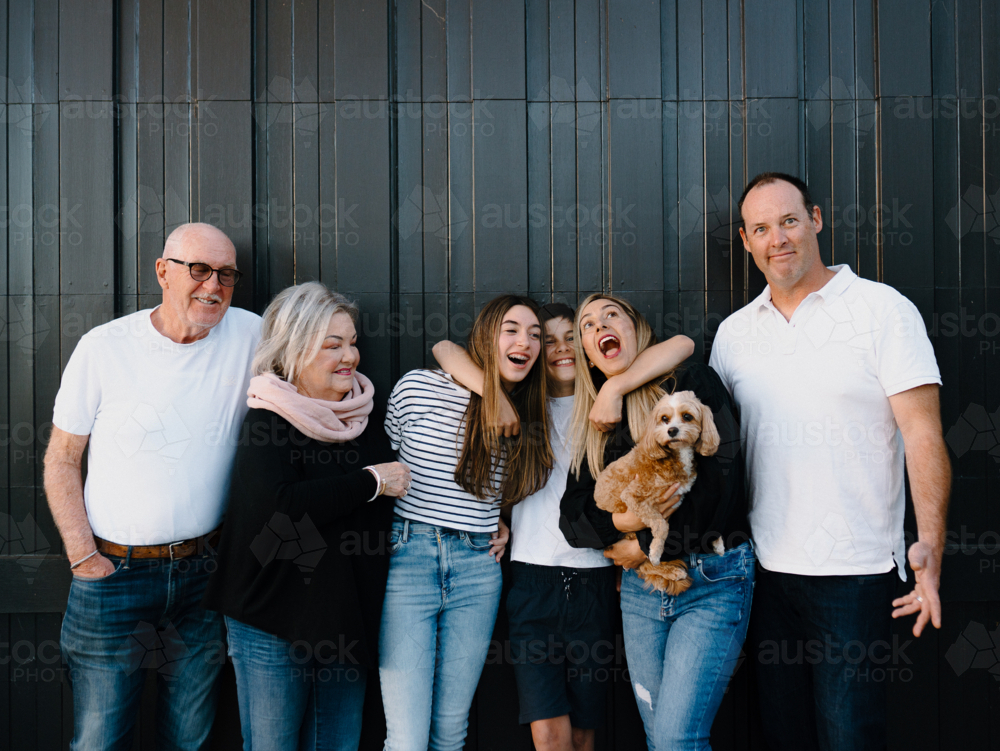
{"type": "Point", "coordinates": [678, 426]}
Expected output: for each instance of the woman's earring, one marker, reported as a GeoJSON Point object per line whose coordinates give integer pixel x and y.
{"type": "Point", "coordinates": [591, 364]}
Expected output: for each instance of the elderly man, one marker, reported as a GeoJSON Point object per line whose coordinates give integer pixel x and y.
{"type": "Point", "coordinates": [828, 370]}
{"type": "Point", "coordinates": [156, 394]}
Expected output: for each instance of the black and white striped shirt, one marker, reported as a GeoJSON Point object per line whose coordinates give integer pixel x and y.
{"type": "Point", "coordinates": [425, 421]}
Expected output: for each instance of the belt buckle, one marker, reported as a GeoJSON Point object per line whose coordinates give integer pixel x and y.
{"type": "Point", "coordinates": [170, 549]}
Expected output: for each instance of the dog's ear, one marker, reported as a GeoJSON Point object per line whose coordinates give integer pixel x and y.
{"type": "Point", "coordinates": [708, 441]}
{"type": "Point", "coordinates": [648, 444]}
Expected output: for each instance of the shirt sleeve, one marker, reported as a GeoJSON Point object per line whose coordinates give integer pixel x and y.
{"type": "Point", "coordinates": [79, 396]}
{"type": "Point", "coordinates": [583, 524]}
{"type": "Point", "coordinates": [270, 481]}
{"type": "Point", "coordinates": [717, 359]}
{"type": "Point", "coordinates": [904, 357]}
{"type": "Point", "coordinates": [393, 416]}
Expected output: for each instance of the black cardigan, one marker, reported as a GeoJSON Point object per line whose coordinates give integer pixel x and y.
{"type": "Point", "coordinates": [303, 555]}
{"type": "Point", "coordinates": [717, 503]}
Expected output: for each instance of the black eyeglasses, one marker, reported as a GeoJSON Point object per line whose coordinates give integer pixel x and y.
{"type": "Point", "coordinates": [202, 272]}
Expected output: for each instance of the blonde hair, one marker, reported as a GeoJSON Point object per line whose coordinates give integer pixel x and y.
{"type": "Point", "coordinates": [294, 326]}
{"type": "Point", "coordinates": [588, 441]}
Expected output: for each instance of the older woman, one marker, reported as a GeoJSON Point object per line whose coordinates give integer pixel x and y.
{"type": "Point", "coordinates": [303, 558]}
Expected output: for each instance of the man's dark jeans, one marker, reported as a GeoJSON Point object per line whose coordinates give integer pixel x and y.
{"type": "Point", "coordinates": [820, 643]}
{"type": "Point", "coordinates": [147, 614]}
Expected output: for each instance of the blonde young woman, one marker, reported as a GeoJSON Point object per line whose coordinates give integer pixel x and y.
{"type": "Point", "coordinates": [681, 649]}
{"type": "Point", "coordinates": [562, 597]}
{"type": "Point", "coordinates": [447, 537]}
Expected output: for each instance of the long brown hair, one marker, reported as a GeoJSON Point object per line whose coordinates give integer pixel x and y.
{"type": "Point", "coordinates": [588, 441]}
{"type": "Point", "coordinates": [528, 456]}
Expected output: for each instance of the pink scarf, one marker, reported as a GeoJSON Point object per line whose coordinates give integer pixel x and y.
{"type": "Point", "coordinates": [332, 422]}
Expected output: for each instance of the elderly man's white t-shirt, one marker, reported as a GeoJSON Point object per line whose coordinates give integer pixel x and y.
{"type": "Point", "coordinates": [163, 420]}
{"type": "Point", "coordinates": [824, 454]}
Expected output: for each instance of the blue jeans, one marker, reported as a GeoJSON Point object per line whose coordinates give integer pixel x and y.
{"type": "Point", "coordinates": [682, 650]}
{"type": "Point", "coordinates": [290, 697]}
{"type": "Point", "coordinates": [441, 603]}
{"type": "Point", "coordinates": [821, 643]}
{"type": "Point", "coordinates": [147, 614]}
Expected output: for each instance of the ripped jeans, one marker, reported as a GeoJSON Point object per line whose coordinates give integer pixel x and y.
{"type": "Point", "coordinates": [682, 650]}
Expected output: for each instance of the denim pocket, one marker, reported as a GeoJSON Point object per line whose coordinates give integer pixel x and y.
{"type": "Point", "coordinates": [478, 541]}
{"type": "Point", "coordinates": [395, 540]}
{"type": "Point", "coordinates": [87, 580]}
{"type": "Point", "coordinates": [726, 567]}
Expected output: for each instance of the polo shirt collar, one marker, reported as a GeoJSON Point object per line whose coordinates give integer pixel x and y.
{"type": "Point", "coordinates": [832, 289]}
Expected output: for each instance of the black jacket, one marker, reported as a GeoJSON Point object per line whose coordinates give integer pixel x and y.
{"type": "Point", "coordinates": [303, 555]}
{"type": "Point", "coordinates": [717, 503]}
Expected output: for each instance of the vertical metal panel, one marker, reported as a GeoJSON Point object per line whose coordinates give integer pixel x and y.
{"type": "Point", "coordinates": [636, 194]}
{"type": "Point", "coordinates": [360, 50]}
{"type": "Point", "coordinates": [432, 76]}
{"type": "Point", "coordinates": [771, 68]}
{"type": "Point", "coordinates": [86, 29]}
{"type": "Point", "coordinates": [430, 216]}
{"type": "Point", "coordinates": [498, 49]}
{"type": "Point", "coordinates": [223, 57]}
{"type": "Point", "coordinates": [904, 47]}
{"type": "Point", "coordinates": [633, 48]}
{"type": "Point", "coordinates": [501, 187]}
{"type": "Point", "coordinates": [363, 188]}
{"type": "Point", "coordinates": [689, 53]}
{"type": "Point", "coordinates": [540, 256]}
{"type": "Point", "coordinates": [536, 43]}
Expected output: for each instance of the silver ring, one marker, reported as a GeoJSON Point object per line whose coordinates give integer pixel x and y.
{"type": "Point", "coordinates": [919, 598]}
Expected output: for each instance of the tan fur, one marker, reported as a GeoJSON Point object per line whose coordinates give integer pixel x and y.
{"type": "Point", "coordinates": [658, 461]}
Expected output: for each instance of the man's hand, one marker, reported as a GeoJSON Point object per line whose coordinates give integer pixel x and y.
{"type": "Point", "coordinates": [498, 543]}
{"type": "Point", "coordinates": [607, 409]}
{"type": "Point", "coordinates": [626, 553]}
{"type": "Point", "coordinates": [926, 565]}
{"type": "Point", "coordinates": [94, 568]}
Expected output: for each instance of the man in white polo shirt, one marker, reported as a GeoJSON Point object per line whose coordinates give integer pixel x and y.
{"type": "Point", "coordinates": [836, 381]}
{"type": "Point", "coordinates": [156, 394]}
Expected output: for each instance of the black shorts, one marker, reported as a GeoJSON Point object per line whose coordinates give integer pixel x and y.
{"type": "Point", "coordinates": [562, 641]}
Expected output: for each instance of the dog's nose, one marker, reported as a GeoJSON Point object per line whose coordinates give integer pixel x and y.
{"type": "Point", "coordinates": [672, 432]}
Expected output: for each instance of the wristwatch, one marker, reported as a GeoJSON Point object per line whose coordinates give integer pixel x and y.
{"type": "Point", "coordinates": [379, 481]}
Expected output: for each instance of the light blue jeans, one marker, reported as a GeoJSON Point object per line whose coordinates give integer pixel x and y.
{"type": "Point", "coordinates": [441, 603]}
{"type": "Point", "coordinates": [682, 650]}
{"type": "Point", "coordinates": [290, 697]}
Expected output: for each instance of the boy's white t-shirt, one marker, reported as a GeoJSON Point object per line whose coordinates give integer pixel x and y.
{"type": "Point", "coordinates": [535, 534]}
{"type": "Point", "coordinates": [163, 420]}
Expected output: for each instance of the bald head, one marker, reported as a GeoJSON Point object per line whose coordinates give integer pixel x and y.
{"type": "Point", "coordinates": [195, 237]}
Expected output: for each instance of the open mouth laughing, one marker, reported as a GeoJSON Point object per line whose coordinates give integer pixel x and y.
{"type": "Point", "coordinates": [609, 345]}
{"type": "Point", "coordinates": [519, 359]}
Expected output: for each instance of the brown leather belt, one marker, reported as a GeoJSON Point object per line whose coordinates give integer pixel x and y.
{"type": "Point", "coordinates": [172, 550]}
